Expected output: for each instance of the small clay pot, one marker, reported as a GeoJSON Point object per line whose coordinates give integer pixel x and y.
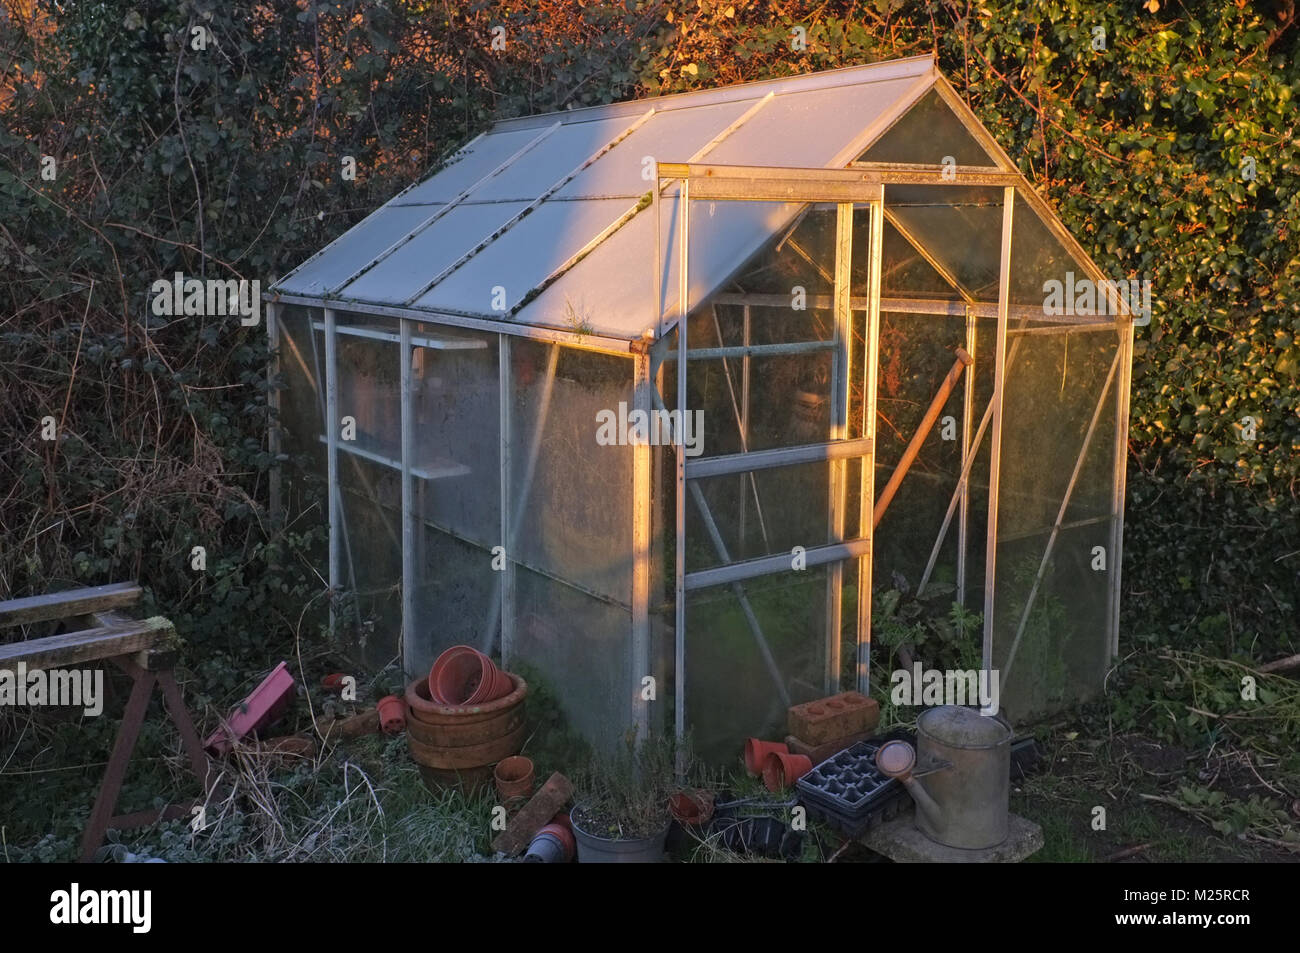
{"type": "Point", "coordinates": [514, 777]}
{"type": "Point", "coordinates": [463, 675]}
{"type": "Point", "coordinates": [692, 807]}
{"type": "Point", "coordinates": [756, 752]}
{"type": "Point", "coordinates": [783, 769]}
{"type": "Point", "coordinates": [392, 714]}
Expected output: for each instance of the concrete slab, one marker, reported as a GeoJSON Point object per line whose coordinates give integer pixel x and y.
{"type": "Point", "coordinates": [901, 842]}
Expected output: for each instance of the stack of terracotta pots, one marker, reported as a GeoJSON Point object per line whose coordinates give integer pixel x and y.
{"type": "Point", "coordinates": [463, 719]}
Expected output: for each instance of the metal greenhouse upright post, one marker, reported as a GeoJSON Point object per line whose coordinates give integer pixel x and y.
{"type": "Point", "coordinates": [405, 355]}
{"type": "Point", "coordinates": [995, 407]}
{"type": "Point", "coordinates": [332, 460]}
{"type": "Point", "coordinates": [642, 513]}
{"type": "Point", "coordinates": [273, 405]}
{"type": "Point", "coordinates": [841, 374]}
{"type": "Point", "coordinates": [505, 385]}
{"type": "Point", "coordinates": [1120, 478]}
{"type": "Point", "coordinates": [679, 555]}
{"type": "Point", "coordinates": [870, 364]}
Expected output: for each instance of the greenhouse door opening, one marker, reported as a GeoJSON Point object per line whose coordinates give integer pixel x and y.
{"type": "Point", "coordinates": [771, 536]}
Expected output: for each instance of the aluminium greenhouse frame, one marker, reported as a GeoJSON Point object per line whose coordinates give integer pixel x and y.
{"type": "Point", "coordinates": [860, 184]}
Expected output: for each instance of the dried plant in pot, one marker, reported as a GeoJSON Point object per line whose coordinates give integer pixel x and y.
{"type": "Point", "coordinates": [621, 800]}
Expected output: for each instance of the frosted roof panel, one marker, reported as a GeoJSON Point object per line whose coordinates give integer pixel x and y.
{"type": "Point", "coordinates": [469, 165]}
{"type": "Point", "coordinates": [809, 128]}
{"type": "Point", "coordinates": [355, 249]}
{"type": "Point", "coordinates": [522, 257]}
{"type": "Point", "coordinates": [667, 137]}
{"type": "Point", "coordinates": [546, 163]}
{"type": "Point", "coordinates": [614, 284]}
{"type": "Point", "coordinates": [419, 261]}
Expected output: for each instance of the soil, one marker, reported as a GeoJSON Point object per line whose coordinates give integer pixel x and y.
{"type": "Point", "coordinates": [599, 824]}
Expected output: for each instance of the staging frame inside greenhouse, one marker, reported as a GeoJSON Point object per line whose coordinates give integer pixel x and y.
{"type": "Point", "coordinates": [903, 368]}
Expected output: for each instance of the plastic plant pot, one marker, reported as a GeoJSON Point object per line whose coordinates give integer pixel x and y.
{"type": "Point", "coordinates": [514, 777]}
{"type": "Point", "coordinates": [783, 769]}
{"type": "Point", "coordinates": [333, 683]}
{"type": "Point", "coordinates": [608, 850]}
{"type": "Point", "coordinates": [756, 752]}
{"type": "Point", "coordinates": [553, 844]}
{"type": "Point", "coordinates": [392, 714]}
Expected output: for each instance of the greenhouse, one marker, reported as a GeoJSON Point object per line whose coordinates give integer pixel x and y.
{"type": "Point", "coordinates": [668, 400]}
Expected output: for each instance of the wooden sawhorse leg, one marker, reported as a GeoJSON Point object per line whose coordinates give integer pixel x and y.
{"type": "Point", "coordinates": [101, 815]}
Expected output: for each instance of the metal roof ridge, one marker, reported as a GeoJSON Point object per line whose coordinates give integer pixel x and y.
{"type": "Point", "coordinates": [901, 68]}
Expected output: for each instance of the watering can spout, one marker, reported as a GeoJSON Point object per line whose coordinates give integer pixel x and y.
{"type": "Point", "coordinates": [924, 803]}
{"type": "Point", "coordinates": [896, 759]}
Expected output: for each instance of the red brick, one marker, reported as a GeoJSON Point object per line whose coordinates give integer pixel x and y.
{"type": "Point", "coordinates": [827, 719]}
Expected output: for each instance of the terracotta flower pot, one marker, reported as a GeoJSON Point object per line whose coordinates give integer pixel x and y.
{"type": "Point", "coordinates": [783, 769]}
{"type": "Point", "coordinates": [457, 674]}
{"type": "Point", "coordinates": [497, 686]}
{"type": "Point", "coordinates": [463, 675]}
{"type": "Point", "coordinates": [514, 777]}
{"type": "Point", "coordinates": [392, 714]}
{"type": "Point", "coordinates": [756, 753]}
{"type": "Point", "coordinates": [692, 807]}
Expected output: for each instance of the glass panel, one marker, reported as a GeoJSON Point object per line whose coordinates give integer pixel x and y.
{"type": "Point", "coordinates": [301, 424]}
{"type": "Point", "coordinates": [905, 273]}
{"type": "Point", "coordinates": [1054, 653]}
{"type": "Point", "coordinates": [570, 499]}
{"type": "Point", "coordinates": [570, 496]}
{"type": "Point", "coordinates": [581, 646]}
{"type": "Point", "coordinates": [457, 448]}
{"type": "Point", "coordinates": [917, 351]}
{"type": "Point", "coordinates": [456, 490]}
{"type": "Point", "coordinates": [370, 490]}
{"type": "Point", "coordinates": [455, 594]}
{"type": "Point", "coordinates": [302, 402]}
{"type": "Point", "coordinates": [960, 227]}
{"type": "Point", "coordinates": [783, 507]}
{"type": "Point", "coordinates": [672, 136]}
{"type": "Point", "coordinates": [926, 134]}
{"type": "Point", "coordinates": [731, 690]}
{"type": "Point", "coordinates": [1049, 285]}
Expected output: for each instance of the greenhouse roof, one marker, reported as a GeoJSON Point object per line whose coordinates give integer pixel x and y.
{"type": "Point", "coordinates": [545, 221]}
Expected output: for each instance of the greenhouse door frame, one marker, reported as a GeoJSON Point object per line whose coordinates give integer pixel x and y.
{"type": "Point", "coordinates": [846, 191]}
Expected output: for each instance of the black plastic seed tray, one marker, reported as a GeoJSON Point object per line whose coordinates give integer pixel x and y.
{"type": "Point", "coordinates": [887, 808]}
{"type": "Point", "coordinates": [848, 784]}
